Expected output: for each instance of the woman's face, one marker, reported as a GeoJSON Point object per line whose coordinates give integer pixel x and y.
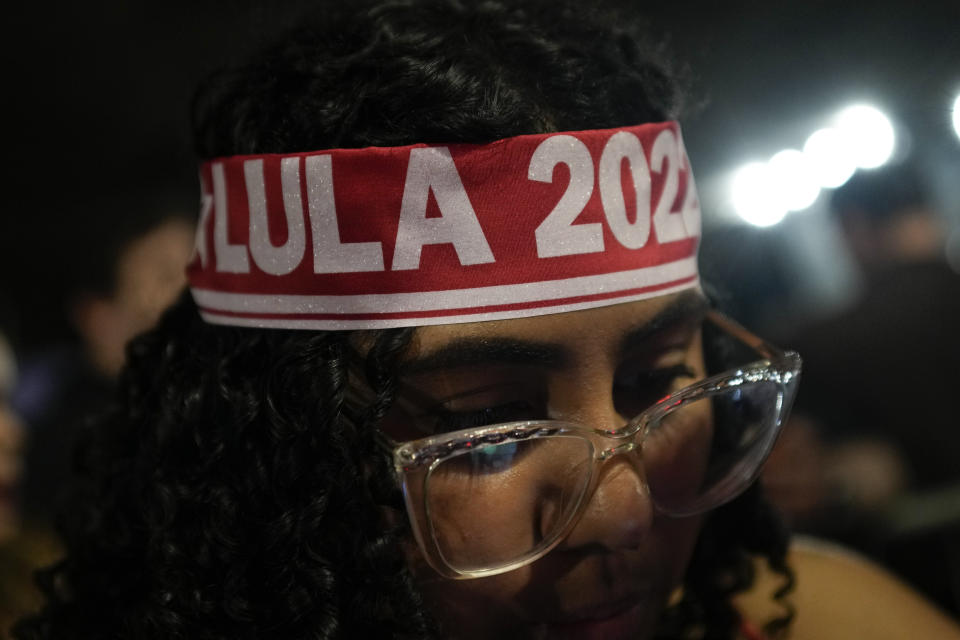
{"type": "Point", "coordinates": [613, 574]}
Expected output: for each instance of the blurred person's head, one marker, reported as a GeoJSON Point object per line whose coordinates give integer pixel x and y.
{"type": "Point", "coordinates": [138, 247]}
{"type": "Point", "coordinates": [887, 217]}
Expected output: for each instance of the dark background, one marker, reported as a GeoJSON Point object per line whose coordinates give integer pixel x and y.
{"type": "Point", "coordinates": [100, 97]}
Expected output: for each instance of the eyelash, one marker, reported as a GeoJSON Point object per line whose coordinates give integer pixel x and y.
{"type": "Point", "coordinates": [647, 387]}
{"type": "Point", "coordinates": [507, 412]}
{"type": "Point", "coordinates": [659, 377]}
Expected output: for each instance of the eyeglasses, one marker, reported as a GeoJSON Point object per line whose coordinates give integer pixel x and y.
{"type": "Point", "coordinates": [490, 499]}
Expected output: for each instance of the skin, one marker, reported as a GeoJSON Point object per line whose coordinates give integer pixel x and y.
{"type": "Point", "coordinates": [841, 595]}
{"type": "Point", "coordinates": [612, 575]}
{"type": "Point", "coordinates": [150, 275]}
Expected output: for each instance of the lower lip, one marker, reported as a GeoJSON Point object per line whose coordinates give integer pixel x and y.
{"type": "Point", "coordinates": [620, 626]}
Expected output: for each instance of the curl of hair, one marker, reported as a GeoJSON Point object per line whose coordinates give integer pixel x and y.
{"type": "Point", "coordinates": [234, 491]}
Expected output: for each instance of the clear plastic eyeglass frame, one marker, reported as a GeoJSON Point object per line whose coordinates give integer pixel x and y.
{"type": "Point", "coordinates": [415, 461]}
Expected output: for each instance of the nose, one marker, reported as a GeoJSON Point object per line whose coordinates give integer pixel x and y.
{"type": "Point", "coordinates": [619, 514]}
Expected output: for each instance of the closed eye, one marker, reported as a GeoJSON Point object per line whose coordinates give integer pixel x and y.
{"type": "Point", "coordinates": [636, 389]}
{"type": "Point", "coordinates": [446, 420]}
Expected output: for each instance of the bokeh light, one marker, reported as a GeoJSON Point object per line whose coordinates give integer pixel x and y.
{"type": "Point", "coordinates": [869, 133]}
{"type": "Point", "coordinates": [755, 197]}
{"type": "Point", "coordinates": [794, 180]}
{"type": "Point", "coordinates": [830, 157]}
{"type": "Point", "coordinates": [956, 116]}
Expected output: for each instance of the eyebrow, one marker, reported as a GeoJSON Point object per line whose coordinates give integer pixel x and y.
{"type": "Point", "coordinates": [689, 307]}
{"type": "Point", "coordinates": [473, 351]}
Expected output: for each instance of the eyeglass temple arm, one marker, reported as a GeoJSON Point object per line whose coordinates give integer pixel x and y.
{"type": "Point", "coordinates": [753, 341]}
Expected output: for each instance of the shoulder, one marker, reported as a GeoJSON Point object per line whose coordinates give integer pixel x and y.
{"type": "Point", "coordinates": [840, 595]}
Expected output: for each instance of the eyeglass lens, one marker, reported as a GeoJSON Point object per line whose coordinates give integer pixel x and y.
{"type": "Point", "coordinates": [492, 505]}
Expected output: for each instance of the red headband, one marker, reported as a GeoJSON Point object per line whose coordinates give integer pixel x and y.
{"type": "Point", "coordinates": [436, 234]}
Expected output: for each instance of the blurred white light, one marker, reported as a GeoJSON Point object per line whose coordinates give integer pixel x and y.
{"type": "Point", "coordinates": [956, 116]}
{"type": "Point", "coordinates": [755, 198]}
{"type": "Point", "coordinates": [830, 157]}
{"type": "Point", "coordinates": [869, 133]}
{"type": "Point", "coordinates": [794, 179]}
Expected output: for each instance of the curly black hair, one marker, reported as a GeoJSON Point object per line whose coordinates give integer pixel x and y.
{"type": "Point", "coordinates": [233, 491]}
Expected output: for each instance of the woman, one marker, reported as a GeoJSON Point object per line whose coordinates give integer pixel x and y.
{"type": "Point", "coordinates": [363, 320]}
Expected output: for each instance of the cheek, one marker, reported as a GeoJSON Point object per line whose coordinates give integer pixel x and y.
{"type": "Point", "coordinates": [677, 456]}
{"type": "Point", "coordinates": [510, 605]}
{"type": "Point", "coordinates": [485, 517]}
{"type": "Point", "coordinates": [477, 609]}
{"type": "Point", "coordinates": [476, 521]}
{"type": "Point", "coordinates": [479, 521]}
{"type": "Point", "coordinates": [481, 608]}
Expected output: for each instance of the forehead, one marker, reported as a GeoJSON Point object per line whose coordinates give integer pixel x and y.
{"type": "Point", "coordinates": [585, 330]}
